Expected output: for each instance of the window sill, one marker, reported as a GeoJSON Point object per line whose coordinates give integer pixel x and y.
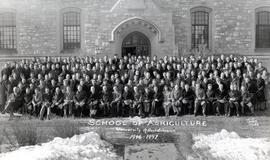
{"type": "Point", "coordinates": [71, 51]}
{"type": "Point", "coordinates": [8, 51]}
{"type": "Point", "coordinates": [262, 50]}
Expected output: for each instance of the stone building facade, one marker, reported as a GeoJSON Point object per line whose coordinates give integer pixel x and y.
{"type": "Point", "coordinates": [164, 27]}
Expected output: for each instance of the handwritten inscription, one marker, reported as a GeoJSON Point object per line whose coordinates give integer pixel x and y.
{"type": "Point", "coordinates": [144, 137]}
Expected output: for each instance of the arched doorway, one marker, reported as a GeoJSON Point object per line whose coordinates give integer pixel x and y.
{"type": "Point", "coordinates": [137, 44]}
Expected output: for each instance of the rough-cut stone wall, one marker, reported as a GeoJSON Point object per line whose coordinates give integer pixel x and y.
{"type": "Point", "coordinates": [233, 24]}
{"type": "Point", "coordinates": [38, 24]}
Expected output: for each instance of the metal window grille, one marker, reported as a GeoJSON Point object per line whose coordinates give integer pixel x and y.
{"type": "Point", "coordinates": [200, 28]}
{"type": "Point", "coordinates": [7, 31]}
{"type": "Point", "coordinates": [72, 30]}
{"type": "Point", "coordinates": [263, 29]}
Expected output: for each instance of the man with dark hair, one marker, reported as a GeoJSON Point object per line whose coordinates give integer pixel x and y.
{"type": "Point", "coordinates": [11, 102]}
{"type": "Point", "coordinates": [79, 101]}
{"type": "Point", "coordinates": [188, 99]}
{"type": "Point", "coordinates": [147, 99]}
{"type": "Point", "coordinates": [10, 85]}
{"type": "Point", "coordinates": [3, 92]}
{"type": "Point", "coordinates": [234, 97]}
{"type": "Point", "coordinates": [93, 102]}
{"type": "Point", "coordinates": [157, 102]}
{"type": "Point", "coordinates": [137, 103]}
{"type": "Point", "coordinates": [57, 102]}
{"type": "Point", "coordinates": [222, 102]}
{"type": "Point", "coordinates": [105, 101]}
{"type": "Point", "coordinates": [36, 102]}
{"type": "Point", "coordinates": [246, 101]}
{"type": "Point", "coordinates": [7, 70]}
{"type": "Point", "coordinates": [53, 85]}
{"type": "Point", "coordinates": [27, 100]}
{"type": "Point", "coordinates": [210, 98]}
{"type": "Point", "coordinates": [47, 99]}
{"type": "Point", "coordinates": [167, 101]}
{"type": "Point", "coordinates": [68, 102]}
{"type": "Point", "coordinates": [260, 92]}
{"type": "Point", "coordinates": [127, 98]}
{"type": "Point", "coordinates": [177, 99]}
{"type": "Point", "coordinates": [115, 109]}
{"type": "Point", "coordinates": [200, 100]}
{"type": "Point", "coordinates": [54, 72]}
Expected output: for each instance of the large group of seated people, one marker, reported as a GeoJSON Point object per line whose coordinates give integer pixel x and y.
{"type": "Point", "coordinates": [131, 86]}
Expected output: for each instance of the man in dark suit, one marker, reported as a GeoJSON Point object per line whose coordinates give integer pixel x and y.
{"type": "Point", "coordinates": [127, 98]}
{"type": "Point", "coordinates": [234, 98]}
{"type": "Point", "coordinates": [222, 101]}
{"type": "Point", "coordinates": [115, 106]}
{"type": "Point", "coordinates": [157, 102]}
{"type": "Point", "coordinates": [11, 102]}
{"type": "Point", "coordinates": [188, 99]}
{"type": "Point", "coordinates": [105, 101]}
{"type": "Point", "coordinates": [93, 102]}
{"type": "Point", "coordinates": [79, 101]}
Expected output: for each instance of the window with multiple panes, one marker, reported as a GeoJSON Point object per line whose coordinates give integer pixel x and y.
{"type": "Point", "coordinates": [71, 29]}
{"type": "Point", "coordinates": [263, 29]}
{"type": "Point", "coordinates": [199, 28]}
{"type": "Point", "coordinates": [7, 31]}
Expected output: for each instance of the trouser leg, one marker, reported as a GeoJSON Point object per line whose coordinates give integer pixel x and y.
{"type": "Point", "coordinates": [179, 108]}
{"type": "Point", "coordinates": [176, 108]}
{"type": "Point", "coordinates": [146, 108]}
{"type": "Point", "coordinates": [204, 109]}
{"type": "Point", "coordinates": [118, 111]}
{"type": "Point", "coordinates": [78, 111]}
{"type": "Point", "coordinates": [196, 107]}
{"type": "Point", "coordinates": [237, 108]}
{"type": "Point", "coordinates": [153, 108]}
{"type": "Point", "coordinates": [70, 109]}
{"type": "Point", "coordinates": [42, 111]}
{"type": "Point", "coordinates": [9, 107]}
{"type": "Point", "coordinates": [251, 107]}
{"type": "Point", "coordinates": [166, 108]}
{"type": "Point", "coordinates": [106, 110]}
{"type": "Point", "coordinates": [229, 108]}
{"type": "Point", "coordinates": [102, 107]}
{"type": "Point", "coordinates": [190, 106]}
{"type": "Point", "coordinates": [113, 109]}
{"type": "Point", "coordinates": [217, 106]}
{"type": "Point", "coordinates": [48, 112]}
{"type": "Point", "coordinates": [140, 109]}
{"type": "Point", "coordinates": [38, 109]}
{"type": "Point", "coordinates": [242, 105]}
{"type": "Point", "coordinates": [132, 110]}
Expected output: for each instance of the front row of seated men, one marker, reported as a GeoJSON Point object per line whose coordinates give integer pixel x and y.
{"type": "Point", "coordinates": [208, 101]}
{"type": "Point", "coordinates": [132, 102]}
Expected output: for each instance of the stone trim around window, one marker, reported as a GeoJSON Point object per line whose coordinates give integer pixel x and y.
{"type": "Point", "coordinates": [61, 30]}
{"type": "Point", "coordinates": [211, 26]}
{"type": "Point", "coordinates": [257, 10]}
{"type": "Point", "coordinates": [15, 50]}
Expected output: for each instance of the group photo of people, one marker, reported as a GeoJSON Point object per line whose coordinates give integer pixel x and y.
{"type": "Point", "coordinates": [48, 87]}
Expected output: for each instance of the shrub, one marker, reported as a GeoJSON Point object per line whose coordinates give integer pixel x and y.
{"type": "Point", "coordinates": [22, 134]}
{"type": "Point", "coordinates": [65, 128]}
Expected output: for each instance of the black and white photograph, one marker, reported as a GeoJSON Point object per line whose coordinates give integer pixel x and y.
{"type": "Point", "coordinates": [134, 79]}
